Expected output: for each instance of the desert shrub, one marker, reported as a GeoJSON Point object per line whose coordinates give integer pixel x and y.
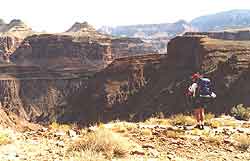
{"type": "Point", "coordinates": [157, 121]}
{"type": "Point", "coordinates": [87, 155]}
{"type": "Point", "coordinates": [103, 141]}
{"type": "Point", "coordinates": [214, 139]}
{"type": "Point", "coordinates": [146, 132]}
{"type": "Point", "coordinates": [122, 127]}
{"type": "Point", "coordinates": [229, 123]}
{"type": "Point", "coordinates": [243, 142]}
{"type": "Point", "coordinates": [215, 124]}
{"type": "Point", "coordinates": [172, 134]}
{"type": "Point", "coordinates": [209, 116]}
{"type": "Point", "coordinates": [56, 126]}
{"type": "Point", "coordinates": [240, 112]}
{"type": "Point", "coordinates": [4, 139]}
{"type": "Point", "coordinates": [158, 114]}
{"type": "Point", "coordinates": [181, 119]}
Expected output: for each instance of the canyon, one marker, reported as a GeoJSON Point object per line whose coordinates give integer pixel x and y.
{"type": "Point", "coordinates": [85, 76]}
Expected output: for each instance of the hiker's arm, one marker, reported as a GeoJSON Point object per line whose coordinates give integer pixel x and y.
{"type": "Point", "coordinates": [195, 86]}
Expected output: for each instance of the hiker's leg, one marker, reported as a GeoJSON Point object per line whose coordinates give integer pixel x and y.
{"type": "Point", "coordinates": [202, 116]}
{"type": "Point", "coordinates": [196, 114]}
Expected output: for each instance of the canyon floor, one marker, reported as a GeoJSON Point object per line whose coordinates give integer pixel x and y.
{"type": "Point", "coordinates": [175, 138]}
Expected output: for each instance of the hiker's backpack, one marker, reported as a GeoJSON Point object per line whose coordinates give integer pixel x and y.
{"type": "Point", "coordinates": [204, 87]}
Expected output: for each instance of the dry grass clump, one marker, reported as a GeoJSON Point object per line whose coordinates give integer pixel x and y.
{"type": "Point", "coordinates": [122, 127]}
{"type": "Point", "coordinates": [181, 119]}
{"type": "Point", "coordinates": [158, 121]}
{"type": "Point", "coordinates": [103, 141]}
{"type": "Point", "coordinates": [172, 134]}
{"type": "Point", "coordinates": [57, 126]}
{"type": "Point", "coordinates": [146, 132]}
{"type": "Point", "coordinates": [209, 117]}
{"type": "Point", "coordinates": [214, 123]}
{"type": "Point", "coordinates": [4, 139]}
{"type": "Point", "coordinates": [240, 112]}
{"type": "Point", "coordinates": [214, 139]}
{"type": "Point", "coordinates": [88, 155]}
{"type": "Point", "coordinates": [243, 141]}
{"type": "Point", "coordinates": [229, 123]}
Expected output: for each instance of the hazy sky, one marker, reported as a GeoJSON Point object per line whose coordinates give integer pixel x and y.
{"type": "Point", "coordinates": [59, 15]}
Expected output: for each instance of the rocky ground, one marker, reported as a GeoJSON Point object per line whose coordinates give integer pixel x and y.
{"type": "Point", "coordinates": [155, 139]}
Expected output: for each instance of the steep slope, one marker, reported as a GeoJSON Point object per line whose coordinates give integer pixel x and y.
{"type": "Point", "coordinates": [46, 68]}
{"type": "Point", "coordinates": [223, 20]}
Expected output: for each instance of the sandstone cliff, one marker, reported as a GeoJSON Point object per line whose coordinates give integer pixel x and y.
{"type": "Point", "coordinates": [44, 69]}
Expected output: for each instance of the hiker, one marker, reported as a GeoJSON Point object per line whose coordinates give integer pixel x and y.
{"type": "Point", "coordinates": [201, 94]}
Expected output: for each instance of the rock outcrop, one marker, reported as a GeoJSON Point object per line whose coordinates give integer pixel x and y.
{"type": "Point", "coordinates": [111, 88]}
{"type": "Point", "coordinates": [124, 47]}
{"type": "Point", "coordinates": [62, 51]}
{"type": "Point", "coordinates": [46, 68]}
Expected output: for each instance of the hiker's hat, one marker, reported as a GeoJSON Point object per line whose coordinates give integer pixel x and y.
{"type": "Point", "coordinates": [196, 76]}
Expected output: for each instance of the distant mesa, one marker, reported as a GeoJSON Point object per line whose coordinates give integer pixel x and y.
{"type": "Point", "coordinates": [81, 27]}
{"type": "Point", "coordinates": [234, 19]}
{"type": "Point", "coordinates": [16, 28]}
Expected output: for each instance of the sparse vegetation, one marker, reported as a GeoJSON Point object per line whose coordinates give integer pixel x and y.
{"type": "Point", "coordinates": [57, 126]}
{"type": "Point", "coordinates": [215, 124]}
{"type": "Point", "coordinates": [87, 155]}
{"type": "Point", "coordinates": [214, 139]}
{"type": "Point", "coordinates": [181, 119]}
{"type": "Point", "coordinates": [158, 121]}
{"type": "Point", "coordinates": [209, 116]}
{"type": "Point", "coordinates": [123, 127]}
{"type": "Point", "coordinates": [103, 141]}
{"type": "Point", "coordinates": [4, 139]}
{"type": "Point", "coordinates": [172, 134]}
{"type": "Point", "coordinates": [146, 132]}
{"type": "Point", "coordinates": [240, 112]}
{"type": "Point", "coordinates": [243, 142]}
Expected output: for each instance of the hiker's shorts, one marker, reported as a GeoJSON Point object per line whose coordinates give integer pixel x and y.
{"type": "Point", "coordinates": [202, 102]}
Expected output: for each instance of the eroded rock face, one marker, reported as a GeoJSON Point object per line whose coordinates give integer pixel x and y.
{"type": "Point", "coordinates": [124, 47]}
{"type": "Point", "coordinates": [37, 100]}
{"type": "Point", "coordinates": [107, 94]}
{"type": "Point", "coordinates": [57, 51]}
{"type": "Point", "coordinates": [8, 44]}
{"type": "Point", "coordinates": [45, 69]}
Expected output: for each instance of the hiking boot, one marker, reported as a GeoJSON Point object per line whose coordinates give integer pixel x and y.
{"type": "Point", "coordinates": [201, 127]}
{"type": "Point", "coordinates": [197, 127]}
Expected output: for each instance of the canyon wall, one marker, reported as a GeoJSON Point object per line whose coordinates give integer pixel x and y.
{"type": "Point", "coordinates": [136, 88]}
